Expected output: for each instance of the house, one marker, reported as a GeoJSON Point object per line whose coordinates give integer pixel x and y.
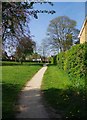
{"type": "Point", "coordinates": [12, 57]}
{"type": "Point", "coordinates": [83, 32]}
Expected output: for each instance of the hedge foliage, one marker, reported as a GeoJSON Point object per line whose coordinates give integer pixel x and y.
{"type": "Point", "coordinates": [74, 61]}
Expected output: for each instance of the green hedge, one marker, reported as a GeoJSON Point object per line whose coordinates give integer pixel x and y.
{"type": "Point", "coordinates": [60, 60]}
{"type": "Point", "coordinates": [74, 61]}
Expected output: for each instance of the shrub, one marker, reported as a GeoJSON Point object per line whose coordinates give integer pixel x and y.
{"type": "Point", "coordinates": [74, 61]}
{"type": "Point", "coordinates": [60, 60]}
{"type": "Point", "coordinates": [55, 59]}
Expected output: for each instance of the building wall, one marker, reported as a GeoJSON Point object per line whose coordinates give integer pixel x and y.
{"type": "Point", "coordinates": [86, 32]}
{"type": "Point", "coordinates": [83, 37]}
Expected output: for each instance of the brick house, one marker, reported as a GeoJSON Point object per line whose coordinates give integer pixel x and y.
{"type": "Point", "coordinates": [83, 32]}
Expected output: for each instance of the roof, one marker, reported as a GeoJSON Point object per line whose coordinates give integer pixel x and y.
{"type": "Point", "coordinates": [82, 27]}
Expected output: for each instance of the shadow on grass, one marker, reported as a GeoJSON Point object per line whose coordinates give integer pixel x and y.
{"type": "Point", "coordinates": [12, 107]}
{"type": "Point", "coordinates": [9, 96]}
{"type": "Point", "coordinates": [70, 103]}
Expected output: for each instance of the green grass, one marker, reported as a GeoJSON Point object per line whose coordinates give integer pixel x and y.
{"type": "Point", "coordinates": [13, 79]}
{"type": "Point", "coordinates": [65, 96]}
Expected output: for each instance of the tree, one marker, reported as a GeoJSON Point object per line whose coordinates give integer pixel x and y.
{"type": "Point", "coordinates": [25, 47]}
{"type": "Point", "coordinates": [4, 55]}
{"type": "Point", "coordinates": [16, 18]}
{"type": "Point", "coordinates": [44, 50]}
{"type": "Point", "coordinates": [62, 33]}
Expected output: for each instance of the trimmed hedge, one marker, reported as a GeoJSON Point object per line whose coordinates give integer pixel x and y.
{"type": "Point", "coordinates": [74, 61]}
{"type": "Point", "coordinates": [60, 60]}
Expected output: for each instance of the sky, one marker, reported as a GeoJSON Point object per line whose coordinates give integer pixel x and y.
{"type": "Point", "coordinates": [74, 10]}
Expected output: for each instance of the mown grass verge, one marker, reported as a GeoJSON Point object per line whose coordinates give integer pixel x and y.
{"type": "Point", "coordinates": [67, 97]}
{"type": "Point", "coordinates": [13, 79]}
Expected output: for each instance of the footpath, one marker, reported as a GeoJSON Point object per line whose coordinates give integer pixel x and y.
{"type": "Point", "coordinates": [30, 104]}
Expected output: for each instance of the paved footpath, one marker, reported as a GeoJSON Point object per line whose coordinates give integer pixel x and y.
{"type": "Point", "coordinates": [30, 103]}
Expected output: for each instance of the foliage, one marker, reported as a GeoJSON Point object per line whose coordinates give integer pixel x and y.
{"type": "Point", "coordinates": [16, 16]}
{"type": "Point", "coordinates": [14, 78]}
{"type": "Point", "coordinates": [74, 61]}
{"type": "Point", "coordinates": [26, 63]}
{"type": "Point", "coordinates": [25, 47]}
{"type": "Point", "coordinates": [60, 60]}
{"type": "Point", "coordinates": [55, 59]}
{"type": "Point", "coordinates": [64, 85]}
{"type": "Point", "coordinates": [60, 93]}
{"type": "Point", "coordinates": [4, 55]}
{"type": "Point", "coordinates": [15, 21]}
{"type": "Point", "coordinates": [62, 33]}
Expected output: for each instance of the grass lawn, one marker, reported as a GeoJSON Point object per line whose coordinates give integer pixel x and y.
{"type": "Point", "coordinates": [14, 78]}
{"type": "Point", "coordinates": [63, 95]}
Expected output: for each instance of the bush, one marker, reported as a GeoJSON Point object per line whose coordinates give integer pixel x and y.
{"type": "Point", "coordinates": [60, 60]}
{"type": "Point", "coordinates": [55, 60]}
{"type": "Point", "coordinates": [74, 61]}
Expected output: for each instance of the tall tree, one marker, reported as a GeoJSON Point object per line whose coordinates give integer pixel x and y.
{"type": "Point", "coordinates": [62, 33]}
{"type": "Point", "coordinates": [44, 48]}
{"type": "Point", "coordinates": [16, 18]}
{"type": "Point", "coordinates": [25, 47]}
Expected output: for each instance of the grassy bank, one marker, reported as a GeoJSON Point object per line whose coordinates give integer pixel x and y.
{"type": "Point", "coordinates": [65, 96]}
{"type": "Point", "coordinates": [14, 78]}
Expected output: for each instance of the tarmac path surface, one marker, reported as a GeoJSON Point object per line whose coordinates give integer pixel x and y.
{"type": "Point", "coordinates": [30, 103]}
